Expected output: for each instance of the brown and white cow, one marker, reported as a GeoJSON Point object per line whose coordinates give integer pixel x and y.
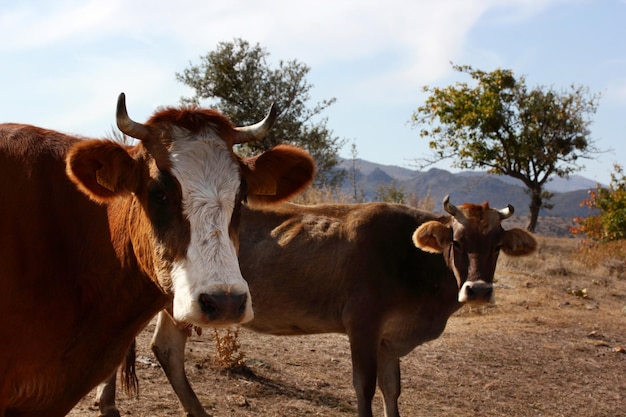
{"type": "Point", "coordinates": [97, 237]}
{"type": "Point", "coordinates": [355, 269]}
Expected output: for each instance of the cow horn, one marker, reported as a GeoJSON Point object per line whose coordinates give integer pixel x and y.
{"type": "Point", "coordinates": [126, 124]}
{"type": "Point", "coordinates": [259, 130]}
{"type": "Point", "coordinates": [506, 212]}
{"type": "Point", "coordinates": [448, 206]}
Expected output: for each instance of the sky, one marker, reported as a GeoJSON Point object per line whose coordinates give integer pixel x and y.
{"type": "Point", "coordinates": [64, 62]}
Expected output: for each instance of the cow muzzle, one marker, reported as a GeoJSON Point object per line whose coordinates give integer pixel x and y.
{"type": "Point", "coordinates": [476, 292]}
{"type": "Point", "coordinates": [225, 307]}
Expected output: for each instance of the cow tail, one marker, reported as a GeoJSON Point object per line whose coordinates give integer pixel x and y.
{"type": "Point", "coordinates": [128, 377]}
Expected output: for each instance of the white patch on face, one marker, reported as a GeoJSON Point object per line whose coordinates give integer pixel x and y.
{"type": "Point", "coordinates": [210, 180]}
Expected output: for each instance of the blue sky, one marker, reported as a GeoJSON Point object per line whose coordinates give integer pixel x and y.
{"type": "Point", "coordinates": [63, 63]}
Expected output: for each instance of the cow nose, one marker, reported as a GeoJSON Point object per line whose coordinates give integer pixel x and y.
{"type": "Point", "coordinates": [476, 292]}
{"type": "Point", "coordinates": [223, 307]}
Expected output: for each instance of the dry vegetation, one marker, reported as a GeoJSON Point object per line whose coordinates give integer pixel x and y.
{"type": "Point", "coordinates": [553, 345]}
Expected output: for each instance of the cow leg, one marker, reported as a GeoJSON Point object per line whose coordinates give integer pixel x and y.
{"type": "Point", "coordinates": [389, 383]}
{"type": "Point", "coordinates": [105, 397]}
{"type": "Point", "coordinates": [168, 345]}
{"type": "Point", "coordinates": [363, 353]}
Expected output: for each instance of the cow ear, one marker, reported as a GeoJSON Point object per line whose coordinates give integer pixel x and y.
{"type": "Point", "coordinates": [518, 242]}
{"type": "Point", "coordinates": [102, 169]}
{"type": "Point", "coordinates": [277, 174]}
{"type": "Point", "coordinates": [432, 237]}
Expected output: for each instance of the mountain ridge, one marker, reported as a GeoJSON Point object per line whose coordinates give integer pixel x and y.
{"type": "Point", "coordinates": [467, 186]}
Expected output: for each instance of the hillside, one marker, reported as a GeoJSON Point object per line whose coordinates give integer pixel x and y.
{"type": "Point", "coordinates": [470, 186]}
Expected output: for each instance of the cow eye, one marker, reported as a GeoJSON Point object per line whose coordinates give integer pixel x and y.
{"type": "Point", "coordinates": [162, 189]}
{"type": "Point", "coordinates": [158, 195]}
{"type": "Point", "coordinates": [456, 244]}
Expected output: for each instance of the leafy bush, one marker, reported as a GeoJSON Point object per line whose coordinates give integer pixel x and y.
{"type": "Point", "coordinates": [610, 224]}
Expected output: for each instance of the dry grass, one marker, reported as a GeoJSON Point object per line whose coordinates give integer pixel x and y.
{"type": "Point", "coordinates": [609, 257]}
{"type": "Point", "coordinates": [317, 195]}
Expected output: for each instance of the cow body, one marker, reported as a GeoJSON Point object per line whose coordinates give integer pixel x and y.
{"type": "Point", "coordinates": [98, 237]}
{"type": "Point", "coordinates": [332, 260]}
{"type": "Point", "coordinates": [355, 269]}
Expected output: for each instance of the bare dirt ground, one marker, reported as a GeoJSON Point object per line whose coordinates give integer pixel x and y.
{"type": "Point", "coordinates": [553, 345]}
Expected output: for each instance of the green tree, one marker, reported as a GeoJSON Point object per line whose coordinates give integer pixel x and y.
{"type": "Point", "coordinates": [237, 79]}
{"type": "Point", "coordinates": [610, 223]}
{"type": "Point", "coordinates": [500, 124]}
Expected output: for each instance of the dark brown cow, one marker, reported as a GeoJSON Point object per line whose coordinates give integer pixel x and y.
{"type": "Point", "coordinates": [97, 237]}
{"type": "Point", "coordinates": [355, 269]}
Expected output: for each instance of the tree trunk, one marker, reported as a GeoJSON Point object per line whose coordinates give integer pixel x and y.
{"type": "Point", "coordinates": [535, 205]}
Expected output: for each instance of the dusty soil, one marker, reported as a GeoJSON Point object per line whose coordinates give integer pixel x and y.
{"type": "Point", "coordinates": [553, 345]}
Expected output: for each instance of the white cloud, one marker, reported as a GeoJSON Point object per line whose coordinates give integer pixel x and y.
{"type": "Point", "coordinates": [428, 33]}
{"type": "Point", "coordinates": [35, 25]}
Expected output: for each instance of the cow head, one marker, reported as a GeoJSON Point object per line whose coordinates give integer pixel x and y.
{"type": "Point", "coordinates": [471, 240]}
{"type": "Point", "coordinates": [177, 194]}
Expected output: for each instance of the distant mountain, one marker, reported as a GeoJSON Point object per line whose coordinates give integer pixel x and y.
{"type": "Point", "coordinates": [555, 185]}
{"type": "Point", "coordinates": [468, 186]}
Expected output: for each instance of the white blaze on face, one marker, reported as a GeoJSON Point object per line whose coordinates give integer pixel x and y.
{"type": "Point", "coordinates": [210, 180]}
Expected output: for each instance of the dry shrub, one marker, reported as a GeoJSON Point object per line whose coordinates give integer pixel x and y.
{"type": "Point", "coordinates": [608, 255]}
{"type": "Point", "coordinates": [546, 226]}
{"type": "Point", "coordinates": [554, 257]}
{"type": "Point", "coordinates": [228, 353]}
{"type": "Point", "coordinates": [318, 195]}
{"type": "Point", "coordinates": [557, 256]}
{"type": "Point", "coordinates": [570, 264]}
{"type": "Point", "coordinates": [424, 203]}
{"type": "Point", "coordinates": [321, 195]}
